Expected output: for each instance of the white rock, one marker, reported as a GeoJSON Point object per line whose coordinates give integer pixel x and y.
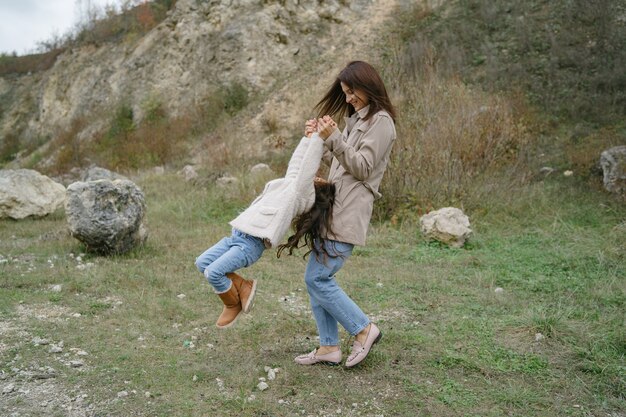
{"type": "Point", "coordinates": [25, 193]}
{"type": "Point", "coordinates": [39, 341]}
{"type": "Point", "coordinates": [613, 164]}
{"type": "Point", "coordinates": [448, 225]}
{"type": "Point", "coordinates": [226, 181]}
{"type": "Point", "coordinates": [260, 169]}
{"type": "Point", "coordinates": [188, 173]}
{"type": "Point", "coordinates": [76, 364]}
{"type": "Point", "coordinates": [122, 394]}
{"type": "Point", "coordinates": [499, 290]}
{"type": "Point", "coordinates": [262, 386]}
{"type": "Point", "coordinates": [568, 173]}
{"type": "Point", "coordinates": [181, 296]}
{"type": "Point", "coordinates": [56, 288]}
{"type": "Point", "coordinates": [8, 389]}
{"type": "Point", "coordinates": [538, 337]}
{"type": "Point", "coordinates": [271, 375]}
{"type": "Point", "coordinates": [55, 349]}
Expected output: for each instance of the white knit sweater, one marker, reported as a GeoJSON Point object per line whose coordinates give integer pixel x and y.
{"type": "Point", "coordinates": [270, 214]}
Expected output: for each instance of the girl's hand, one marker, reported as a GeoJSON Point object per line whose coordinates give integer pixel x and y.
{"type": "Point", "coordinates": [326, 126]}
{"type": "Point", "coordinates": [310, 127]}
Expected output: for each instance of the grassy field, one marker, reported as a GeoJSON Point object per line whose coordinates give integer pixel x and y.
{"type": "Point", "coordinates": [134, 334]}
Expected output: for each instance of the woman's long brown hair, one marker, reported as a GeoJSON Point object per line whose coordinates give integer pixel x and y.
{"type": "Point", "coordinates": [314, 224]}
{"type": "Point", "coordinates": [358, 75]}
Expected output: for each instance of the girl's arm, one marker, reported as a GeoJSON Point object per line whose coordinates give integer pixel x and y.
{"type": "Point", "coordinates": [310, 162]}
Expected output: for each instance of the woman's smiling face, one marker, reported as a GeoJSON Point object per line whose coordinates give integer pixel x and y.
{"type": "Point", "coordinates": [356, 98]}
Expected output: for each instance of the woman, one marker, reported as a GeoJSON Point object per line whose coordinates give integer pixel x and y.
{"type": "Point", "coordinates": [358, 158]}
{"type": "Point", "coordinates": [263, 225]}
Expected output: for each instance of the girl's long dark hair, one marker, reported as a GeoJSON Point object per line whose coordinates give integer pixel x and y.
{"type": "Point", "coordinates": [313, 225]}
{"type": "Point", "coordinates": [358, 75]}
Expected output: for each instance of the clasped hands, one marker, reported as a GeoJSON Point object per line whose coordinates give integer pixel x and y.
{"type": "Point", "coordinates": [324, 126]}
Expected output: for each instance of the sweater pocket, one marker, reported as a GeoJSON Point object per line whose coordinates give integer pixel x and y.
{"type": "Point", "coordinates": [264, 216]}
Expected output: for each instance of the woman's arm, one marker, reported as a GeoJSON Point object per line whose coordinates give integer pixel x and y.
{"type": "Point", "coordinates": [361, 160]}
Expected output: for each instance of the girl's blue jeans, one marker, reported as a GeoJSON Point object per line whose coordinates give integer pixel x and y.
{"type": "Point", "coordinates": [228, 255]}
{"type": "Point", "coordinates": [329, 302]}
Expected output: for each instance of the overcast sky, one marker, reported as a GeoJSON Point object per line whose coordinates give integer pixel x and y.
{"type": "Point", "coordinates": [25, 22]}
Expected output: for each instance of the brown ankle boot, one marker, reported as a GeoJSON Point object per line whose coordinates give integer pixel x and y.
{"type": "Point", "coordinates": [246, 289]}
{"type": "Point", "coordinates": [232, 308]}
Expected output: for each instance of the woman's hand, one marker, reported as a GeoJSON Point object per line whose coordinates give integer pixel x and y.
{"type": "Point", "coordinates": [310, 127]}
{"type": "Point", "coordinates": [326, 126]}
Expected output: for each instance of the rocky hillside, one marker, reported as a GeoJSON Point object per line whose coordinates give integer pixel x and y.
{"type": "Point", "coordinates": [263, 47]}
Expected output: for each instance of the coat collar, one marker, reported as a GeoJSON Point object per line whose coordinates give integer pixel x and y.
{"type": "Point", "coordinates": [356, 119]}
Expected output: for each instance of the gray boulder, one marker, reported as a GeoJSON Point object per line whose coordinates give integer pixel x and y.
{"type": "Point", "coordinates": [24, 193]}
{"type": "Point", "coordinates": [448, 225]}
{"type": "Point", "coordinates": [613, 163]}
{"type": "Point", "coordinates": [98, 173]}
{"type": "Point", "coordinates": [107, 216]}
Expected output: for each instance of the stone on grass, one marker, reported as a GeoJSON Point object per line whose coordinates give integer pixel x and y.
{"type": "Point", "coordinates": [188, 173]}
{"type": "Point", "coordinates": [106, 216]}
{"type": "Point", "coordinates": [613, 163]}
{"type": "Point", "coordinates": [25, 193]}
{"type": "Point", "coordinates": [262, 386]}
{"type": "Point", "coordinates": [260, 170]}
{"type": "Point", "coordinates": [226, 181]}
{"type": "Point", "coordinates": [448, 225]}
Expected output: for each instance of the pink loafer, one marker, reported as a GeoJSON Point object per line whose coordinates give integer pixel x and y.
{"type": "Point", "coordinates": [332, 358]}
{"type": "Point", "coordinates": [360, 351]}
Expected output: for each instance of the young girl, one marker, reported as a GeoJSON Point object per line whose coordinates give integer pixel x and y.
{"type": "Point", "coordinates": [263, 225]}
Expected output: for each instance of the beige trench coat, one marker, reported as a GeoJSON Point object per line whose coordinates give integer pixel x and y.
{"type": "Point", "coordinates": [358, 158]}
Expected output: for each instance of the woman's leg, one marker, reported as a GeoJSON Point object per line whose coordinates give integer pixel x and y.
{"type": "Point", "coordinates": [329, 302]}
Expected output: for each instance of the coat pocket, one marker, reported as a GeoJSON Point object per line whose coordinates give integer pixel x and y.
{"type": "Point", "coordinates": [264, 216]}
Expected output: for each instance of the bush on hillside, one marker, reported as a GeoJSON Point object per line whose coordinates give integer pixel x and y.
{"type": "Point", "coordinates": [569, 56]}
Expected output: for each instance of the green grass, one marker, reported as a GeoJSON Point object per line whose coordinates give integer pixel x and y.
{"type": "Point", "coordinates": [451, 346]}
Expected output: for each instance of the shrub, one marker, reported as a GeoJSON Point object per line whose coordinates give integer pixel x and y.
{"type": "Point", "coordinates": [28, 63]}
{"type": "Point", "coordinates": [9, 147]}
{"type": "Point", "coordinates": [450, 139]}
{"type": "Point", "coordinates": [157, 140]}
{"type": "Point", "coordinates": [235, 98]}
{"type": "Point", "coordinates": [568, 55]}
{"type": "Point", "coordinates": [70, 152]}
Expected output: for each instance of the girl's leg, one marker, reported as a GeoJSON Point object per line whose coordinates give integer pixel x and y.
{"type": "Point", "coordinates": [235, 292]}
{"type": "Point", "coordinates": [209, 256]}
{"type": "Point", "coordinates": [228, 255]}
{"type": "Point", "coordinates": [329, 302]}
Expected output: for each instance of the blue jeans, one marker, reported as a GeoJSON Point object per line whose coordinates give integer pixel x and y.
{"type": "Point", "coordinates": [228, 255]}
{"type": "Point", "coordinates": [329, 302]}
